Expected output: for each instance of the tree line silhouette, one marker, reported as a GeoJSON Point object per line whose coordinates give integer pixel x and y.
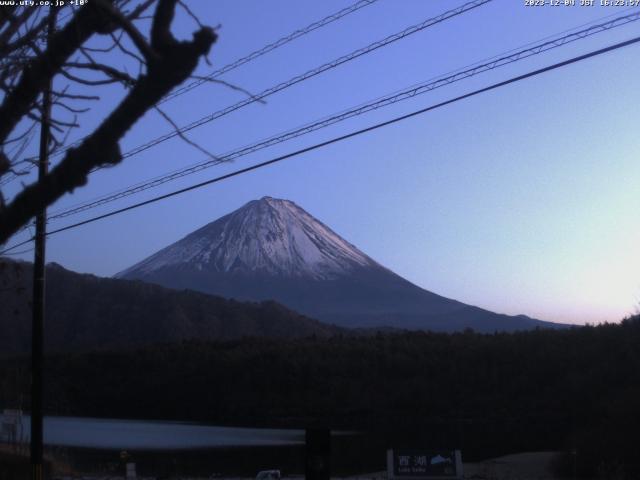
{"type": "Point", "coordinates": [575, 390]}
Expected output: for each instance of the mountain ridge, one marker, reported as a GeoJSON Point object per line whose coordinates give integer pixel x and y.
{"type": "Point", "coordinates": [277, 237]}
{"type": "Point", "coordinates": [273, 249]}
{"type": "Point", "coordinates": [86, 312]}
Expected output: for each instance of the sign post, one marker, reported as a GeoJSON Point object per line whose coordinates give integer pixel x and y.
{"type": "Point", "coordinates": [131, 471]}
{"type": "Point", "coordinates": [318, 454]}
{"type": "Point", "coordinates": [424, 464]}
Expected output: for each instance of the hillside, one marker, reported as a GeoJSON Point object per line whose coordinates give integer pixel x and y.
{"type": "Point", "coordinates": [87, 312]}
{"type": "Point", "coordinates": [487, 394]}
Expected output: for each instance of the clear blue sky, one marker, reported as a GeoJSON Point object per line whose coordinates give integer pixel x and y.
{"type": "Point", "coordinates": [522, 200]}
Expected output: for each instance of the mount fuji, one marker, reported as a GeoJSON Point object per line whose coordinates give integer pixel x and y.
{"type": "Point", "coordinates": [273, 249]}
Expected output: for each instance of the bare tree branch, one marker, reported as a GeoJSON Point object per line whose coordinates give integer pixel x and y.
{"type": "Point", "coordinates": [14, 25]}
{"type": "Point", "coordinates": [172, 63]}
{"type": "Point", "coordinates": [136, 37]}
{"type": "Point", "coordinates": [140, 9]}
{"type": "Point", "coordinates": [183, 136]}
{"type": "Point", "coordinates": [6, 47]}
{"type": "Point", "coordinates": [118, 42]}
{"type": "Point", "coordinates": [5, 164]}
{"type": "Point", "coordinates": [43, 67]}
{"type": "Point", "coordinates": [112, 73]}
{"type": "Point", "coordinates": [71, 96]}
{"type": "Point", "coordinates": [161, 37]}
{"type": "Point", "coordinates": [186, 8]}
{"type": "Point", "coordinates": [231, 86]}
{"type": "Point", "coordinates": [6, 14]}
{"type": "Point", "coordinates": [84, 81]}
{"type": "Point", "coordinates": [70, 108]}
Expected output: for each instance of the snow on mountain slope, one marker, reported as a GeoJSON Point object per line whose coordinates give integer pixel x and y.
{"type": "Point", "coordinates": [270, 236]}
{"type": "Point", "coordinates": [273, 249]}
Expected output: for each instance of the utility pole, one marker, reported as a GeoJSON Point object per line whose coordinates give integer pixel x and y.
{"type": "Point", "coordinates": [37, 332]}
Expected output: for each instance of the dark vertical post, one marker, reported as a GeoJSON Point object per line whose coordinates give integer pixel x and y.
{"type": "Point", "coordinates": [318, 454]}
{"type": "Point", "coordinates": [37, 332]}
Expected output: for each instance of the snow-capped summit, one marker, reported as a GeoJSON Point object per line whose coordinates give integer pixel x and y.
{"type": "Point", "coordinates": [267, 236]}
{"type": "Point", "coordinates": [271, 249]}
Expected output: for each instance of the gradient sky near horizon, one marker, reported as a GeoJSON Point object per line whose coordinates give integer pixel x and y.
{"type": "Point", "coordinates": [523, 200]}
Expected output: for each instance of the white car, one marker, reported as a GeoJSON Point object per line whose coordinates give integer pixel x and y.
{"type": "Point", "coordinates": [268, 475]}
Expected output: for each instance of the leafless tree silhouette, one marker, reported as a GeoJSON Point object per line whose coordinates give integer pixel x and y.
{"type": "Point", "coordinates": [29, 60]}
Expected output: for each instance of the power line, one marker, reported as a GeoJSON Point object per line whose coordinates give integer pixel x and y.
{"type": "Point", "coordinates": [411, 92]}
{"type": "Point", "coordinates": [302, 77]}
{"type": "Point", "coordinates": [294, 80]}
{"type": "Point", "coordinates": [310, 74]}
{"type": "Point", "coordinates": [17, 245]}
{"type": "Point", "coordinates": [270, 47]}
{"type": "Point", "coordinates": [237, 63]}
{"type": "Point", "coordinates": [349, 135]}
{"type": "Point", "coordinates": [21, 252]}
